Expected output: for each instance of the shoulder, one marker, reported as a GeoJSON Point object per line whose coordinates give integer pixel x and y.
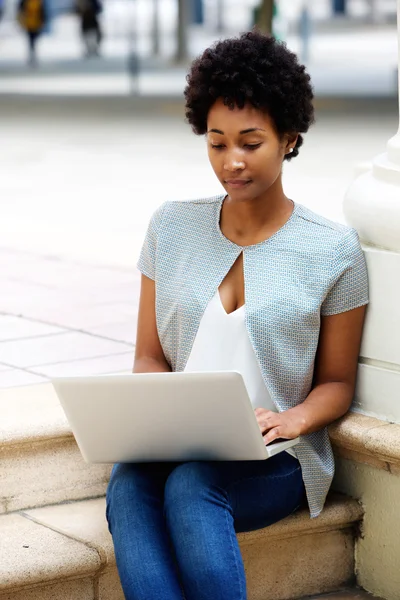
{"type": "Point", "coordinates": [192, 205]}
{"type": "Point", "coordinates": [319, 223]}
{"type": "Point", "coordinates": [184, 212]}
{"type": "Point", "coordinates": [323, 232]}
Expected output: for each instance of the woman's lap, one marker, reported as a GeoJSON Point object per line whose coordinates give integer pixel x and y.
{"type": "Point", "coordinates": [174, 524]}
{"type": "Point", "coordinates": [264, 492]}
{"type": "Point", "coordinates": [259, 492]}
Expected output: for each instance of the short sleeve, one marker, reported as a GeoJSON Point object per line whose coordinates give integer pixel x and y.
{"type": "Point", "coordinates": [349, 277]}
{"type": "Point", "coordinates": [148, 255]}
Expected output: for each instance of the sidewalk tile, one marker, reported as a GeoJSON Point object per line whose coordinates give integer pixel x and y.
{"type": "Point", "coordinates": [115, 363]}
{"type": "Point", "coordinates": [122, 332]}
{"type": "Point", "coordinates": [81, 317]}
{"type": "Point", "coordinates": [59, 274]}
{"type": "Point", "coordinates": [16, 377]}
{"type": "Point", "coordinates": [12, 328]}
{"type": "Point", "coordinates": [100, 294]}
{"type": "Point", "coordinates": [57, 348]}
{"type": "Point", "coordinates": [17, 299]}
{"type": "Point", "coordinates": [14, 287]}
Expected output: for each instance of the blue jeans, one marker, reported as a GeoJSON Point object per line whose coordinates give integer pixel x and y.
{"type": "Point", "coordinates": [174, 524]}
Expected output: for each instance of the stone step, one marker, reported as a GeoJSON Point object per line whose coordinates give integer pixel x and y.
{"type": "Point", "coordinates": [40, 461]}
{"type": "Point", "coordinates": [65, 551]}
{"type": "Point", "coordinates": [345, 594]}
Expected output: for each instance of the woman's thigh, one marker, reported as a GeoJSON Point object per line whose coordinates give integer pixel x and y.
{"type": "Point", "coordinates": [132, 485]}
{"type": "Point", "coordinates": [270, 493]}
{"type": "Point", "coordinates": [259, 492]}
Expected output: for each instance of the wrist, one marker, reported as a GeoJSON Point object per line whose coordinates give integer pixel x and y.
{"type": "Point", "coordinates": [300, 416]}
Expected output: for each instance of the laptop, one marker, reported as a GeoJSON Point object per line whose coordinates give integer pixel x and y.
{"type": "Point", "coordinates": [151, 417]}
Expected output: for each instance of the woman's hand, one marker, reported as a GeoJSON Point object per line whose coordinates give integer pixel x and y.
{"type": "Point", "coordinates": [273, 425]}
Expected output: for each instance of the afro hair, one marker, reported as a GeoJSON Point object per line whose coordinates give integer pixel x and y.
{"type": "Point", "coordinates": [253, 68]}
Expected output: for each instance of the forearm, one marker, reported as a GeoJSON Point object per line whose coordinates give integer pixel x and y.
{"type": "Point", "coordinates": [148, 364]}
{"type": "Point", "coordinates": [324, 404]}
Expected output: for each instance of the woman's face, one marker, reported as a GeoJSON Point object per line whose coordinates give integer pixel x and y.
{"type": "Point", "coordinates": [245, 150]}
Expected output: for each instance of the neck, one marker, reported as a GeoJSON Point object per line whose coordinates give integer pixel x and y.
{"type": "Point", "coordinates": [249, 220]}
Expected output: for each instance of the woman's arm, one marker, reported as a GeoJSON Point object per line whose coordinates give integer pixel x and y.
{"type": "Point", "coordinates": [333, 384]}
{"type": "Point", "coordinates": [149, 356]}
{"type": "Point", "coordinates": [335, 370]}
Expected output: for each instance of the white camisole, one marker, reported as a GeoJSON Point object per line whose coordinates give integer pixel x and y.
{"type": "Point", "coordinates": [222, 344]}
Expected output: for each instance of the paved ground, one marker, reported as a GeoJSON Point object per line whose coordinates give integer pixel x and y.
{"type": "Point", "coordinates": [80, 179]}
{"type": "Point", "coordinates": [60, 318]}
{"type": "Point", "coordinates": [84, 165]}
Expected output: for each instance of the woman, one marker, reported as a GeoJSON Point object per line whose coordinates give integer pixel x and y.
{"type": "Point", "coordinates": [252, 281]}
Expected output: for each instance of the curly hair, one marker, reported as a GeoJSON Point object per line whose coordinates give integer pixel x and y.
{"type": "Point", "coordinates": [253, 68]}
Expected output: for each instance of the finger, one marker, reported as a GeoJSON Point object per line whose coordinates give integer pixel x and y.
{"type": "Point", "coordinates": [261, 413]}
{"type": "Point", "coordinates": [266, 414]}
{"type": "Point", "coordinates": [273, 434]}
{"type": "Point", "coordinates": [270, 421]}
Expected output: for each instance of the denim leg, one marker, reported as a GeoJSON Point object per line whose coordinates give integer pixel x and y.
{"type": "Point", "coordinates": [201, 525]}
{"type": "Point", "coordinates": [206, 503]}
{"type": "Point", "coordinates": [263, 494]}
{"type": "Point", "coordinates": [145, 562]}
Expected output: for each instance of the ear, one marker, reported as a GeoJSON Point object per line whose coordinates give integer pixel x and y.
{"type": "Point", "coordinates": [291, 140]}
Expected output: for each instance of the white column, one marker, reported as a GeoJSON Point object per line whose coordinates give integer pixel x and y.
{"type": "Point", "coordinates": [394, 143]}
{"type": "Point", "coordinates": [372, 203]}
{"type": "Point", "coordinates": [372, 207]}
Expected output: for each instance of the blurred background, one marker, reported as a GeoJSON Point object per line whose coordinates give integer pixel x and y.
{"type": "Point", "coordinates": [120, 47]}
{"type": "Point", "coordinates": [93, 133]}
{"type": "Point", "coordinates": [93, 138]}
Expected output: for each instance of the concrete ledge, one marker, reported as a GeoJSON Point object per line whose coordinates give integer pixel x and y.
{"type": "Point", "coordinates": [338, 512]}
{"type": "Point", "coordinates": [367, 440]}
{"type": "Point", "coordinates": [37, 555]}
{"type": "Point", "coordinates": [36, 446]}
{"type": "Point", "coordinates": [66, 551]}
{"type": "Point", "coordinates": [31, 414]}
{"type": "Point", "coordinates": [300, 556]}
{"type": "Point", "coordinates": [40, 561]}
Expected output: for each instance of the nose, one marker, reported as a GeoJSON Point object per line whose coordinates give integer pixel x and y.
{"type": "Point", "coordinates": [233, 164]}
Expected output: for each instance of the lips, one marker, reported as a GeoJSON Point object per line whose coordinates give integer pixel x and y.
{"type": "Point", "coordinates": [237, 183]}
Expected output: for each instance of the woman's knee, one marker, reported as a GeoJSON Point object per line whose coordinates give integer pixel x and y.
{"type": "Point", "coordinates": [121, 480]}
{"type": "Point", "coordinates": [185, 481]}
{"type": "Point", "coordinates": [127, 487]}
{"type": "Point", "coordinates": [134, 482]}
{"type": "Point", "coordinates": [191, 485]}
{"type": "Point", "coordinates": [118, 488]}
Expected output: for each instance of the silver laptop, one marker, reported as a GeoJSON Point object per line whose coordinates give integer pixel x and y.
{"type": "Point", "coordinates": [163, 417]}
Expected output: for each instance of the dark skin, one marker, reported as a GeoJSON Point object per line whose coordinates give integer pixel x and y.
{"type": "Point", "coordinates": [243, 144]}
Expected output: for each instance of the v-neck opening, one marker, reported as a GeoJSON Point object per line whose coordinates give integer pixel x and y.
{"type": "Point", "coordinates": [223, 308]}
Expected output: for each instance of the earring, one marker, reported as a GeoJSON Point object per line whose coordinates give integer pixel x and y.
{"type": "Point", "coordinates": [291, 150]}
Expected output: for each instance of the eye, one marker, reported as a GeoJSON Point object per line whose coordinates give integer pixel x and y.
{"type": "Point", "coordinates": [217, 146]}
{"type": "Point", "coordinates": [252, 146]}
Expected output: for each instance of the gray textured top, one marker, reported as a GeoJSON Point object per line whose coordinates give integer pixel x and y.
{"type": "Point", "coordinates": [310, 267]}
